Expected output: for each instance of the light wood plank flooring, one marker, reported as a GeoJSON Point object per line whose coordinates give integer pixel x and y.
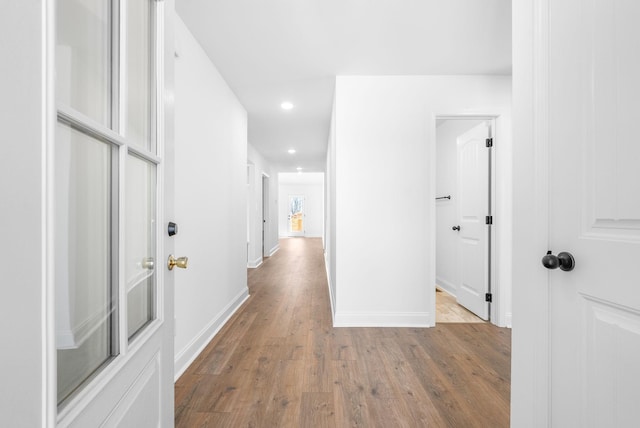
{"type": "Point", "coordinates": [279, 363]}
{"type": "Point", "coordinates": [448, 310]}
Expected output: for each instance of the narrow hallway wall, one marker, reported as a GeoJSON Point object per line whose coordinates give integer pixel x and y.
{"type": "Point", "coordinates": [211, 199]}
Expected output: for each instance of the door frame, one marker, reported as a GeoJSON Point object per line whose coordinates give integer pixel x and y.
{"type": "Point", "coordinates": [491, 194]}
{"type": "Point", "coordinates": [266, 220]}
{"type": "Point", "coordinates": [530, 366]}
{"type": "Point", "coordinates": [497, 311]}
{"type": "Point", "coordinates": [290, 233]}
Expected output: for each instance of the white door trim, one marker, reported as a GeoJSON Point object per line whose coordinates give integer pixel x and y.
{"type": "Point", "coordinates": [49, 390]}
{"type": "Point", "coordinates": [530, 373]}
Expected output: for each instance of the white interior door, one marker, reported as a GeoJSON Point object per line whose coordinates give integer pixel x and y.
{"type": "Point", "coordinates": [114, 301]}
{"type": "Point", "coordinates": [594, 203]}
{"type": "Point", "coordinates": [473, 232]}
{"type": "Point", "coordinates": [296, 216]}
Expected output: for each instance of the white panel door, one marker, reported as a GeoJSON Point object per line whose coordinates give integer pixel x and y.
{"type": "Point", "coordinates": [473, 207]}
{"type": "Point", "coordinates": [594, 203]}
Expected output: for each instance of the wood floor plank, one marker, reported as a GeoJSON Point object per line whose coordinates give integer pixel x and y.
{"type": "Point", "coordinates": [278, 362]}
{"type": "Point", "coordinates": [317, 410]}
{"type": "Point", "coordinates": [216, 359]}
{"type": "Point", "coordinates": [418, 408]}
{"type": "Point", "coordinates": [350, 394]}
{"type": "Point", "coordinates": [283, 408]}
{"type": "Point", "coordinates": [449, 311]}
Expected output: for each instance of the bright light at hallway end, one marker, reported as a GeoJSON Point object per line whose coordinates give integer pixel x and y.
{"type": "Point", "coordinates": [286, 105]}
{"type": "Point", "coordinates": [291, 151]}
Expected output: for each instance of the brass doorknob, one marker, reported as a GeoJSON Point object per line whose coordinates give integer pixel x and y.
{"type": "Point", "coordinates": [180, 262]}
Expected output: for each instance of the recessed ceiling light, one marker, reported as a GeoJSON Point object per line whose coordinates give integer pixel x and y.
{"type": "Point", "coordinates": [291, 151]}
{"type": "Point", "coordinates": [299, 168]}
{"type": "Point", "coordinates": [286, 105]}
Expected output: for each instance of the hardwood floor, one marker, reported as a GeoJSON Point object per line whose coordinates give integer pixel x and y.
{"type": "Point", "coordinates": [279, 363]}
{"type": "Point", "coordinates": [448, 310]}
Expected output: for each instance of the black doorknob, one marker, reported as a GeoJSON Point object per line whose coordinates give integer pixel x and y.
{"type": "Point", "coordinates": [456, 228]}
{"type": "Point", "coordinates": [564, 261]}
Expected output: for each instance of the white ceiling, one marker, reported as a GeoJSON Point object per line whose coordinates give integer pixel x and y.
{"type": "Point", "coordinates": [270, 51]}
{"type": "Point", "coordinates": [301, 178]}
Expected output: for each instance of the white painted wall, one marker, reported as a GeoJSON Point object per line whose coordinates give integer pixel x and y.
{"type": "Point", "coordinates": [26, 313]}
{"type": "Point", "coordinates": [311, 186]}
{"type": "Point", "coordinates": [384, 176]}
{"type": "Point", "coordinates": [259, 167]}
{"type": "Point", "coordinates": [447, 270]}
{"type": "Point", "coordinates": [210, 199]}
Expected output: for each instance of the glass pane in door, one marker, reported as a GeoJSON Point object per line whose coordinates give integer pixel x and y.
{"type": "Point", "coordinates": [296, 214]}
{"type": "Point", "coordinates": [83, 57]}
{"type": "Point", "coordinates": [140, 250]}
{"type": "Point", "coordinates": [138, 68]}
{"type": "Point", "coordinates": [85, 299]}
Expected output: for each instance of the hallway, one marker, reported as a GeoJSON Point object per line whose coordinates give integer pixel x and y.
{"type": "Point", "coordinates": [278, 362]}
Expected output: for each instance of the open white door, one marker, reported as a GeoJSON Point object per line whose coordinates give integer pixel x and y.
{"type": "Point", "coordinates": [576, 351]}
{"type": "Point", "coordinates": [112, 196]}
{"type": "Point", "coordinates": [473, 231]}
{"type": "Point", "coordinates": [594, 200]}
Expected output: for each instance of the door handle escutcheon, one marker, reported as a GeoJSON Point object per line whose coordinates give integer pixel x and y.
{"type": "Point", "coordinates": [180, 262]}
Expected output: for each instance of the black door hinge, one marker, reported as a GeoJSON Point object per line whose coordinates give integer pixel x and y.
{"type": "Point", "coordinates": [488, 297]}
{"type": "Point", "coordinates": [489, 142]}
{"type": "Point", "coordinates": [489, 219]}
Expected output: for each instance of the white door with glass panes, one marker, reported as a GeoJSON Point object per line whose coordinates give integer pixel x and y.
{"type": "Point", "coordinates": [296, 216]}
{"type": "Point", "coordinates": [113, 297]}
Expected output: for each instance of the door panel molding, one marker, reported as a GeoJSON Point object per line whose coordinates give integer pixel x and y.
{"type": "Point", "coordinates": [145, 387]}
{"type": "Point", "coordinates": [611, 348]}
{"type": "Point", "coordinates": [610, 208]}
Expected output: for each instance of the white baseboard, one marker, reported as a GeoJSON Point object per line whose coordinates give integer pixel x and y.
{"type": "Point", "coordinates": [507, 319]}
{"type": "Point", "coordinates": [274, 250]}
{"type": "Point", "coordinates": [189, 353]}
{"type": "Point", "coordinates": [447, 286]}
{"type": "Point", "coordinates": [255, 263]}
{"type": "Point", "coordinates": [382, 319]}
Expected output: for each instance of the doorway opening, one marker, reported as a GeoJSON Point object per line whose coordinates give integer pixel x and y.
{"type": "Point", "coordinates": [300, 205]}
{"type": "Point", "coordinates": [296, 217]}
{"type": "Point", "coordinates": [265, 214]}
{"type": "Point", "coordinates": [465, 201]}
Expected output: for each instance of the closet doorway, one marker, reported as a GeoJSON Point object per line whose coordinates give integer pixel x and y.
{"type": "Point", "coordinates": [464, 207]}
